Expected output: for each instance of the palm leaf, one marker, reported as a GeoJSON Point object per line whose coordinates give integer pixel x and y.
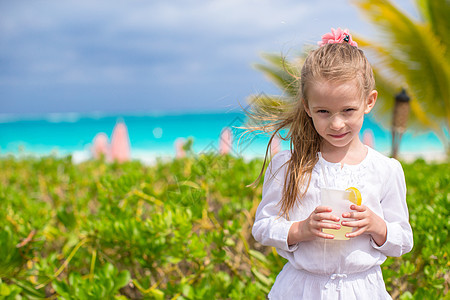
{"type": "Point", "coordinates": [415, 54]}
{"type": "Point", "coordinates": [437, 14]}
{"type": "Point", "coordinates": [268, 101]}
{"type": "Point", "coordinates": [281, 72]}
{"type": "Point", "coordinates": [404, 58]}
{"type": "Point", "coordinates": [388, 84]}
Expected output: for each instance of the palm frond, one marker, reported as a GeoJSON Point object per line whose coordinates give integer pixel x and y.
{"type": "Point", "coordinates": [412, 49]}
{"type": "Point", "coordinates": [416, 55]}
{"type": "Point", "coordinates": [437, 14]}
{"type": "Point", "coordinates": [272, 101]}
{"type": "Point", "coordinates": [388, 84]}
{"type": "Point", "coordinates": [281, 72]}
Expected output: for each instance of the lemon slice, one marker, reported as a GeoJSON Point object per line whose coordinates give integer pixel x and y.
{"type": "Point", "coordinates": [355, 195]}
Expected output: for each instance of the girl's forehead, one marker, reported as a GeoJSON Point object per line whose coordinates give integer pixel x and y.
{"type": "Point", "coordinates": [329, 91]}
{"type": "Point", "coordinates": [328, 86]}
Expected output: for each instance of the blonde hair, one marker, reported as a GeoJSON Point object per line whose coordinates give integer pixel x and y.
{"type": "Point", "coordinates": [338, 62]}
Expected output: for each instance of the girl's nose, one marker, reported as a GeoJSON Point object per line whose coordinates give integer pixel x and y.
{"type": "Point", "coordinates": [336, 122]}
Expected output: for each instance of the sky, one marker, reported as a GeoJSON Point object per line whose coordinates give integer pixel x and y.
{"type": "Point", "coordinates": [129, 56]}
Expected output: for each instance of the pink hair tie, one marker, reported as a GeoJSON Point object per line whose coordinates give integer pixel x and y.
{"type": "Point", "coordinates": [337, 36]}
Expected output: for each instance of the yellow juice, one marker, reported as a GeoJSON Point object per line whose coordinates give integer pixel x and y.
{"type": "Point", "coordinates": [339, 234]}
{"type": "Point", "coordinates": [339, 202]}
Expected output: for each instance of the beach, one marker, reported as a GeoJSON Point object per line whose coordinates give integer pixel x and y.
{"type": "Point", "coordinates": [153, 135]}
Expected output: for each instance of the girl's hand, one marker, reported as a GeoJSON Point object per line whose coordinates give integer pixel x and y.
{"type": "Point", "coordinates": [312, 227]}
{"type": "Point", "coordinates": [365, 221]}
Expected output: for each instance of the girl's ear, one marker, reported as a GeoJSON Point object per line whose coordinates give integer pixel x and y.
{"type": "Point", "coordinates": [370, 101]}
{"type": "Point", "coordinates": [305, 105]}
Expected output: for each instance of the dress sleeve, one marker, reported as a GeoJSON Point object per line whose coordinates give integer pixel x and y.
{"type": "Point", "coordinates": [399, 238]}
{"type": "Point", "coordinates": [269, 228]}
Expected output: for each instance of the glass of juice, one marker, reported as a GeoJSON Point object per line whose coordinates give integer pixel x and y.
{"type": "Point", "coordinates": [339, 202]}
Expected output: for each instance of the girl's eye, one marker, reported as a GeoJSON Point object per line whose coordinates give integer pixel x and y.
{"type": "Point", "coordinates": [349, 109]}
{"type": "Point", "coordinates": [322, 111]}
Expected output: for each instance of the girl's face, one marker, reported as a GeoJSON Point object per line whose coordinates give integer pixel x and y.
{"type": "Point", "coordinates": [337, 111]}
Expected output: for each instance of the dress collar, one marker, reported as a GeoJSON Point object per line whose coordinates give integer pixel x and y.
{"type": "Point", "coordinates": [346, 166]}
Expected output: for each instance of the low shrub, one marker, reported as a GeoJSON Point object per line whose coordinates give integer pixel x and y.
{"type": "Point", "coordinates": [174, 230]}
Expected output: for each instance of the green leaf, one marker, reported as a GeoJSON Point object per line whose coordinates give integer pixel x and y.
{"type": "Point", "coordinates": [258, 255]}
{"type": "Point", "coordinates": [60, 288]}
{"type": "Point", "coordinates": [261, 277]}
{"type": "Point", "coordinates": [122, 279]}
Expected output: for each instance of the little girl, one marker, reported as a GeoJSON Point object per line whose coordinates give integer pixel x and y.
{"type": "Point", "coordinates": [336, 91]}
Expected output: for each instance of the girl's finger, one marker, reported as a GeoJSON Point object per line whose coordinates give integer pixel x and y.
{"type": "Point", "coordinates": [356, 222]}
{"type": "Point", "coordinates": [325, 216]}
{"type": "Point", "coordinates": [359, 208]}
{"type": "Point", "coordinates": [324, 235]}
{"type": "Point", "coordinates": [320, 209]}
{"type": "Point", "coordinates": [354, 215]}
{"type": "Point", "coordinates": [355, 233]}
{"type": "Point", "coordinates": [347, 215]}
{"type": "Point", "coordinates": [352, 223]}
{"type": "Point", "coordinates": [329, 225]}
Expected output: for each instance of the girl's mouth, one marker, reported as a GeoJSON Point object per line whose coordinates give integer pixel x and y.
{"type": "Point", "coordinates": [338, 136]}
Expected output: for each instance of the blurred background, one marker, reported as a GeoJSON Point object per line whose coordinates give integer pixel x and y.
{"type": "Point", "coordinates": [167, 69]}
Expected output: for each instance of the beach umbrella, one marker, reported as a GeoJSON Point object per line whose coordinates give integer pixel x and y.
{"type": "Point", "coordinates": [369, 138]}
{"type": "Point", "coordinates": [100, 146]}
{"type": "Point", "coordinates": [179, 151]}
{"type": "Point", "coordinates": [275, 145]}
{"type": "Point", "coordinates": [225, 141]}
{"type": "Point", "coordinates": [120, 143]}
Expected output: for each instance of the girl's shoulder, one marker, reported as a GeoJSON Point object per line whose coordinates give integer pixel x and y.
{"type": "Point", "coordinates": [282, 155]}
{"type": "Point", "coordinates": [279, 160]}
{"type": "Point", "coordinates": [382, 162]}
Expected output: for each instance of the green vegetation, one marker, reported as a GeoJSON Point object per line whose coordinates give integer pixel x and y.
{"type": "Point", "coordinates": [175, 230]}
{"type": "Point", "coordinates": [413, 53]}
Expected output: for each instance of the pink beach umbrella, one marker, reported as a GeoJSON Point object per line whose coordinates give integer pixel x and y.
{"type": "Point", "coordinates": [120, 143]}
{"type": "Point", "coordinates": [225, 141]}
{"type": "Point", "coordinates": [179, 151]}
{"type": "Point", "coordinates": [275, 145]}
{"type": "Point", "coordinates": [100, 146]}
{"type": "Point", "coordinates": [369, 138]}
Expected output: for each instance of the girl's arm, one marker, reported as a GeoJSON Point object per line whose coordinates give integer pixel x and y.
{"type": "Point", "coordinates": [392, 234]}
{"type": "Point", "coordinates": [399, 237]}
{"type": "Point", "coordinates": [269, 228]}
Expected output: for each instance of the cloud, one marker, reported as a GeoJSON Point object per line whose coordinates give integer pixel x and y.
{"type": "Point", "coordinates": [203, 48]}
{"type": "Point", "coordinates": [104, 34]}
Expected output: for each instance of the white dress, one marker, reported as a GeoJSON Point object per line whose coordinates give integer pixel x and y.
{"type": "Point", "coordinates": [331, 269]}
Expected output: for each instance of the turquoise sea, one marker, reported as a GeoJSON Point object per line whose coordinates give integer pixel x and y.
{"type": "Point", "coordinates": [153, 135]}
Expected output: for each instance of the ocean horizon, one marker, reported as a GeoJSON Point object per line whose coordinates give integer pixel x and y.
{"type": "Point", "coordinates": [152, 135]}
